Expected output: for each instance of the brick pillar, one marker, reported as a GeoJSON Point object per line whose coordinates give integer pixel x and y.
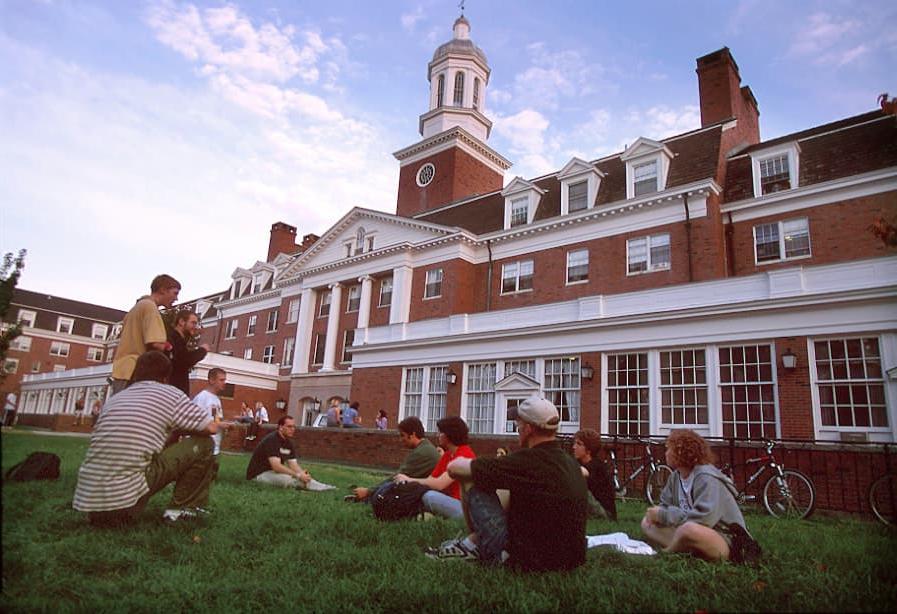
{"type": "Point", "coordinates": [795, 401]}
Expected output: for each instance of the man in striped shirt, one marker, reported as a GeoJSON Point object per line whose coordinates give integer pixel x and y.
{"type": "Point", "coordinates": [126, 463]}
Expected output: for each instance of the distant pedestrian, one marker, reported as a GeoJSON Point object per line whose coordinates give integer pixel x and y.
{"type": "Point", "coordinates": [79, 412]}
{"type": "Point", "coordinates": [350, 418]}
{"type": "Point", "coordinates": [382, 421]}
{"type": "Point", "coordinates": [9, 409]}
{"type": "Point", "coordinates": [334, 414]}
{"type": "Point", "coordinates": [95, 411]}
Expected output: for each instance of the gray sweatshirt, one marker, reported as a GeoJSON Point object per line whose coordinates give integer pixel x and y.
{"type": "Point", "coordinates": [712, 495]}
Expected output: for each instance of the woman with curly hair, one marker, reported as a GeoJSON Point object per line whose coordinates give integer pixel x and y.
{"type": "Point", "coordinates": [697, 510]}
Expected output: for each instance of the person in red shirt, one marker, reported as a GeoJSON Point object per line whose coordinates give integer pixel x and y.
{"type": "Point", "coordinates": [444, 498]}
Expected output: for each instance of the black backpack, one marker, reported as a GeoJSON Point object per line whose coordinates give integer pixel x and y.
{"type": "Point", "coordinates": [398, 501]}
{"type": "Point", "coordinates": [38, 466]}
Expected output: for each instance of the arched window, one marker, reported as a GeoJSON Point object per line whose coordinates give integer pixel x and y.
{"type": "Point", "coordinates": [359, 240]}
{"type": "Point", "coordinates": [476, 94]}
{"type": "Point", "coordinates": [440, 91]}
{"type": "Point", "coordinates": [459, 89]}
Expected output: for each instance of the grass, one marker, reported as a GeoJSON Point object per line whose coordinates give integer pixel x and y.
{"type": "Point", "coordinates": [267, 549]}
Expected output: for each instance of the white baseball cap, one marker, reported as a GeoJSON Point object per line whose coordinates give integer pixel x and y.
{"type": "Point", "coordinates": [537, 411]}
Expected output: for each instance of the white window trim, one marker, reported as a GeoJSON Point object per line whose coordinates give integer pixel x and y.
{"type": "Point", "coordinates": [517, 189]}
{"type": "Point", "coordinates": [588, 267]}
{"type": "Point", "coordinates": [63, 347]}
{"type": "Point", "coordinates": [99, 358]}
{"type": "Point", "coordinates": [793, 151]}
{"type": "Point", "coordinates": [71, 321]}
{"type": "Point", "coordinates": [343, 353]}
{"type": "Point", "coordinates": [574, 172]}
{"type": "Point", "coordinates": [275, 315]}
{"type": "Point", "coordinates": [268, 356]}
{"type": "Point", "coordinates": [293, 314]}
{"type": "Point", "coordinates": [252, 325]}
{"type": "Point", "coordinates": [424, 392]}
{"type": "Point", "coordinates": [232, 328]}
{"type": "Point", "coordinates": [356, 288]}
{"type": "Point", "coordinates": [662, 157]}
{"type": "Point", "coordinates": [328, 294]}
{"type": "Point", "coordinates": [289, 352]}
{"type": "Point", "coordinates": [247, 354]}
{"type": "Point", "coordinates": [27, 314]}
{"type": "Point", "coordinates": [99, 327]}
{"type": "Point", "coordinates": [380, 302]}
{"type": "Point", "coordinates": [517, 290]}
{"type": "Point", "coordinates": [314, 348]}
{"type": "Point", "coordinates": [782, 257]}
{"type": "Point", "coordinates": [650, 269]}
{"type": "Point", "coordinates": [426, 283]}
{"type": "Point", "coordinates": [22, 343]}
{"type": "Point", "coordinates": [14, 362]}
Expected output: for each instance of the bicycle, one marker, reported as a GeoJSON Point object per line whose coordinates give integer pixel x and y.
{"type": "Point", "coordinates": [657, 477]}
{"type": "Point", "coordinates": [881, 498]}
{"type": "Point", "coordinates": [786, 494]}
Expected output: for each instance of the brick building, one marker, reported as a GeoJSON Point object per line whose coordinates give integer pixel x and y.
{"type": "Point", "coordinates": [709, 279]}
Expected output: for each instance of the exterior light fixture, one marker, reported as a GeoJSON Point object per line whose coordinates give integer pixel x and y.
{"type": "Point", "coordinates": [587, 372]}
{"type": "Point", "coordinates": [451, 377]}
{"type": "Point", "coordinates": [789, 360]}
{"type": "Point", "coordinates": [280, 404]}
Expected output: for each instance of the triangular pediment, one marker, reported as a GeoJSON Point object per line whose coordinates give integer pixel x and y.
{"type": "Point", "coordinates": [643, 147]}
{"type": "Point", "coordinates": [519, 185]}
{"type": "Point", "coordinates": [378, 231]}
{"type": "Point", "coordinates": [578, 166]}
{"type": "Point", "coordinates": [517, 382]}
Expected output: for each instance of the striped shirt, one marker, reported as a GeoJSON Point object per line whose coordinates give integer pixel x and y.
{"type": "Point", "coordinates": [131, 430]}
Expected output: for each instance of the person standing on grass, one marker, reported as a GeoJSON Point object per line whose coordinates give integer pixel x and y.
{"type": "Point", "coordinates": [602, 500]}
{"type": "Point", "coordinates": [418, 463]}
{"type": "Point", "coordinates": [444, 498]}
{"type": "Point", "coordinates": [697, 506]}
{"type": "Point", "coordinates": [274, 461]}
{"type": "Point", "coordinates": [541, 524]}
{"type": "Point", "coordinates": [126, 464]}
{"type": "Point", "coordinates": [143, 329]}
{"type": "Point", "coordinates": [209, 399]}
{"type": "Point", "coordinates": [184, 359]}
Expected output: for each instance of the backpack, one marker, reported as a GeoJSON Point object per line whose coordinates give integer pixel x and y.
{"type": "Point", "coordinates": [38, 466]}
{"type": "Point", "coordinates": [398, 501]}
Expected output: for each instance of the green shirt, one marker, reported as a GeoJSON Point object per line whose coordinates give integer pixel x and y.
{"type": "Point", "coordinates": [420, 461]}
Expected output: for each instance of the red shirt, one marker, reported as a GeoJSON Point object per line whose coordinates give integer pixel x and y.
{"type": "Point", "coordinates": [462, 451]}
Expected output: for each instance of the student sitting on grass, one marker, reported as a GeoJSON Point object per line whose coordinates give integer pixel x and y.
{"type": "Point", "coordinates": [419, 462]}
{"type": "Point", "coordinates": [274, 461]}
{"type": "Point", "coordinates": [602, 502]}
{"type": "Point", "coordinates": [445, 497]}
{"type": "Point", "coordinates": [697, 506]}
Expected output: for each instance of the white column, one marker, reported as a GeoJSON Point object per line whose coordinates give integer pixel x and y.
{"type": "Point", "coordinates": [302, 346]}
{"type": "Point", "coordinates": [364, 309]}
{"type": "Point", "coordinates": [400, 308]}
{"type": "Point", "coordinates": [336, 296]}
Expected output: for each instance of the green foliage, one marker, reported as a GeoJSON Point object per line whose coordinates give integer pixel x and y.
{"type": "Point", "coordinates": [10, 271]}
{"type": "Point", "coordinates": [266, 549]}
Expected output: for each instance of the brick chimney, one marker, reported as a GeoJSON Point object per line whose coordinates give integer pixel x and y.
{"type": "Point", "coordinates": [723, 97]}
{"type": "Point", "coordinates": [283, 240]}
{"type": "Point", "coordinates": [308, 240]}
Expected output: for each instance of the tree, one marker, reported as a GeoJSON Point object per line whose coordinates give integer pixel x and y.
{"type": "Point", "coordinates": [10, 271]}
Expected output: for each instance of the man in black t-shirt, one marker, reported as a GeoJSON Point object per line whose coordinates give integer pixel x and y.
{"type": "Point", "coordinates": [274, 461]}
{"type": "Point", "coordinates": [543, 525]}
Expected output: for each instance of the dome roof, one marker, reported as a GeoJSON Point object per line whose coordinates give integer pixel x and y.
{"type": "Point", "coordinates": [460, 43]}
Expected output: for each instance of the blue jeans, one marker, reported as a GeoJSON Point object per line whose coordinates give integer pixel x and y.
{"type": "Point", "coordinates": [490, 523]}
{"type": "Point", "coordinates": [440, 504]}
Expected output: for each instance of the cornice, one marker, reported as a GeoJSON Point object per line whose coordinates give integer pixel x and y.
{"type": "Point", "coordinates": [455, 134]}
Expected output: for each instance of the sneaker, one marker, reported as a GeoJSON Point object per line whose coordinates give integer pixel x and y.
{"type": "Point", "coordinates": [317, 486]}
{"type": "Point", "coordinates": [174, 515]}
{"type": "Point", "coordinates": [453, 549]}
{"type": "Point", "coordinates": [350, 499]}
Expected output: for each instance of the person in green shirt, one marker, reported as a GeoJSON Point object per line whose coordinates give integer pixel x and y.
{"type": "Point", "coordinates": [418, 463]}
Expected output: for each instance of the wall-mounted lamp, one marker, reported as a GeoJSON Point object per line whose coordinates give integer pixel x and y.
{"type": "Point", "coordinates": [316, 403]}
{"type": "Point", "coordinates": [451, 377]}
{"type": "Point", "coordinates": [587, 372]}
{"type": "Point", "coordinates": [789, 360]}
{"type": "Point", "coordinates": [280, 404]}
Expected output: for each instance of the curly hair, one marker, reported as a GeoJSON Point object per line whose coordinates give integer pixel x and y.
{"type": "Point", "coordinates": [688, 448]}
{"type": "Point", "coordinates": [591, 440]}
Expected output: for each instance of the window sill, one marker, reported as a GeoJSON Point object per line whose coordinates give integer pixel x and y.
{"type": "Point", "coordinates": [657, 270]}
{"type": "Point", "coordinates": [430, 298]}
{"type": "Point", "coordinates": [577, 283]}
{"type": "Point", "coordinates": [779, 260]}
{"type": "Point", "coordinates": [515, 292]}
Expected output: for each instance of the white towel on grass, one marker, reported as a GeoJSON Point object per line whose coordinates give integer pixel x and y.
{"type": "Point", "coordinates": [621, 542]}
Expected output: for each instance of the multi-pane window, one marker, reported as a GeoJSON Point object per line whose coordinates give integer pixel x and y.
{"type": "Point", "coordinates": [561, 386]}
{"type": "Point", "coordinates": [27, 317]}
{"type": "Point", "coordinates": [348, 340]}
{"type": "Point", "coordinates": [273, 317]}
{"type": "Point", "coordinates": [231, 331]}
{"type": "Point", "coordinates": [440, 91]}
{"type": "Point", "coordinates": [436, 395]}
{"type": "Point", "coordinates": [476, 93]}
{"type": "Point", "coordinates": [850, 383]}
{"type": "Point", "coordinates": [354, 300]}
{"type": "Point", "coordinates": [747, 392]}
{"type": "Point", "coordinates": [385, 292]}
{"type": "Point", "coordinates": [21, 343]}
{"type": "Point", "coordinates": [10, 365]}
{"type": "Point", "coordinates": [458, 99]}
{"type": "Point", "coordinates": [58, 348]}
{"type": "Point", "coordinates": [577, 196]}
{"type": "Point", "coordinates": [782, 240]}
{"type": "Point", "coordinates": [95, 354]}
{"type": "Point", "coordinates": [268, 354]}
{"type": "Point", "coordinates": [324, 310]}
{"type": "Point", "coordinates": [519, 211]}
{"type": "Point", "coordinates": [645, 178]}
{"type": "Point", "coordinates": [253, 319]}
{"type": "Point", "coordinates": [628, 394]}
{"type": "Point", "coordinates": [247, 354]}
{"type": "Point", "coordinates": [320, 342]}
{"type": "Point", "coordinates": [481, 397]}
{"type": "Point", "coordinates": [288, 346]}
{"type": "Point", "coordinates": [35, 366]}
{"type": "Point", "coordinates": [256, 283]}
{"type": "Point", "coordinates": [99, 331]}
{"type": "Point", "coordinates": [65, 325]}
{"type": "Point", "coordinates": [433, 287]}
{"type": "Point", "coordinates": [414, 392]}
{"type": "Point", "coordinates": [526, 367]}
{"type": "Point", "coordinates": [648, 254]}
{"type": "Point", "coordinates": [293, 311]}
{"type": "Point", "coordinates": [577, 266]}
{"type": "Point", "coordinates": [774, 174]}
{"type": "Point", "coordinates": [683, 387]}
{"type": "Point", "coordinates": [516, 276]}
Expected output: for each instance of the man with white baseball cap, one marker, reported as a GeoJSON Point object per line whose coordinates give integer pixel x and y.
{"type": "Point", "coordinates": [542, 525]}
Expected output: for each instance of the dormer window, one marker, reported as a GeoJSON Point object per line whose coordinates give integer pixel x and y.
{"type": "Point", "coordinates": [521, 200]}
{"type": "Point", "coordinates": [647, 167]}
{"type": "Point", "coordinates": [519, 211]}
{"type": "Point", "coordinates": [459, 89]}
{"type": "Point", "coordinates": [256, 283]}
{"type": "Point", "coordinates": [579, 185]}
{"type": "Point", "coordinates": [776, 169]}
{"type": "Point", "coordinates": [577, 196]}
{"type": "Point", "coordinates": [359, 241]}
{"type": "Point", "coordinates": [645, 178]}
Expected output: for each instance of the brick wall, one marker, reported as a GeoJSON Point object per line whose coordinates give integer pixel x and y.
{"type": "Point", "coordinates": [795, 402]}
{"type": "Point", "coordinates": [460, 291]}
{"type": "Point", "coordinates": [377, 389]}
{"type": "Point", "coordinates": [40, 354]}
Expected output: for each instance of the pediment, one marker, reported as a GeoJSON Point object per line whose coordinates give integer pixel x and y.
{"type": "Point", "coordinates": [517, 382]}
{"type": "Point", "coordinates": [578, 166]}
{"type": "Point", "coordinates": [518, 185]}
{"type": "Point", "coordinates": [644, 147]}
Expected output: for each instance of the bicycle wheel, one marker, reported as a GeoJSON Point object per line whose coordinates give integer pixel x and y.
{"type": "Point", "coordinates": [791, 496]}
{"type": "Point", "coordinates": [882, 496]}
{"type": "Point", "coordinates": [656, 481]}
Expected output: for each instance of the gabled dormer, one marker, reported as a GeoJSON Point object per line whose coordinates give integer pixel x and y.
{"type": "Point", "coordinates": [256, 280]}
{"type": "Point", "coordinates": [647, 167]}
{"type": "Point", "coordinates": [521, 201]}
{"type": "Point", "coordinates": [579, 185]}
{"type": "Point", "coordinates": [775, 168]}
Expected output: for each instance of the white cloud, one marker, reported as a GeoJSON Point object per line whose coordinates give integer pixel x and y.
{"type": "Point", "coordinates": [525, 133]}
{"type": "Point", "coordinates": [662, 121]}
{"type": "Point", "coordinates": [553, 75]}
{"type": "Point", "coordinates": [821, 33]}
{"type": "Point", "coordinates": [409, 20]}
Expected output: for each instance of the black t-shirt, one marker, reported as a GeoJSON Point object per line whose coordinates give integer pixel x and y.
{"type": "Point", "coordinates": [272, 445]}
{"type": "Point", "coordinates": [601, 485]}
{"type": "Point", "coordinates": [548, 506]}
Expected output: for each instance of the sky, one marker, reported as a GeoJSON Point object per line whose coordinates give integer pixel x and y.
{"type": "Point", "coordinates": [156, 136]}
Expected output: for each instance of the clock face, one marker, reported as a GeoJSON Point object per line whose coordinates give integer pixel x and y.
{"type": "Point", "coordinates": [425, 174]}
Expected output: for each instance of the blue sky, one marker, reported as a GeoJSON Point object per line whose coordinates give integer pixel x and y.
{"type": "Point", "coordinates": [167, 136]}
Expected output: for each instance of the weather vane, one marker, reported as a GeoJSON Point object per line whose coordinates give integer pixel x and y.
{"type": "Point", "coordinates": [461, 6]}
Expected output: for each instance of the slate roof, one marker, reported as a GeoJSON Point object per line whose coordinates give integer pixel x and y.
{"type": "Point", "coordinates": [48, 308]}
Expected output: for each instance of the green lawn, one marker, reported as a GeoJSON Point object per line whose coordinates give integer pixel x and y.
{"type": "Point", "coordinates": [266, 549]}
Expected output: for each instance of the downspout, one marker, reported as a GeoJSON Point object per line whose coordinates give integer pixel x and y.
{"type": "Point", "coordinates": [688, 236]}
{"type": "Point", "coordinates": [489, 277]}
{"type": "Point", "coordinates": [730, 246]}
